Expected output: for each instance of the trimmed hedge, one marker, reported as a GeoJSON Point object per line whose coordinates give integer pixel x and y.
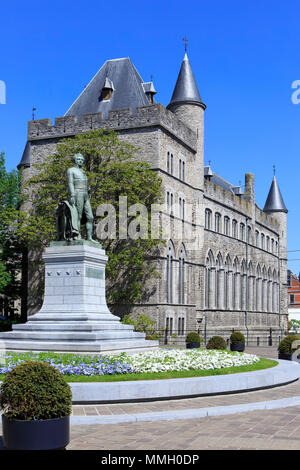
{"type": "Point", "coordinates": [35, 390]}
{"type": "Point", "coordinates": [216, 342]}
{"type": "Point", "coordinates": [193, 337]}
{"type": "Point", "coordinates": [237, 338]}
{"type": "Point", "coordinates": [285, 346]}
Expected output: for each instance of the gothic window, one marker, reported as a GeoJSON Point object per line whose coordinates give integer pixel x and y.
{"type": "Point", "coordinates": [209, 287]}
{"type": "Point", "coordinates": [169, 325]}
{"type": "Point", "coordinates": [226, 225]}
{"type": "Point", "coordinates": [169, 273]}
{"type": "Point", "coordinates": [272, 245]}
{"type": "Point", "coordinates": [262, 241]}
{"type": "Point", "coordinates": [181, 203]}
{"type": "Point", "coordinates": [234, 228]}
{"type": "Point", "coordinates": [267, 243]}
{"type": "Point", "coordinates": [168, 162]}
{"type": "Point", "coordinates": [256, 237]}
{"type": "Point", "coordinates": [248, 234]}
{"type": "Point", "coordinates": [183, 171]}
{"type": "Point", "coordinates": [171, 164]}
{"type": "Point", "coordinates": [180, 326]}
{"type": "Point", "coordinates": [242, 231]}
{"type": "Point", "coordinates": [181, 275]}
{"type": "Point", "coordinates": [208, 219]}
{"type": "Point", "coordinates": [217, 222]}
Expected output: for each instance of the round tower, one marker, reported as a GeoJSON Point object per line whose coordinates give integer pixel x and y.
{"type": "Point", "coordinates": [275, 207]}
{"type": "Point", "coordinates": [187, 105]}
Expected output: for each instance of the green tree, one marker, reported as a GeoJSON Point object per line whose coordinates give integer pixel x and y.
{"type": "Point", "coordinates": [112, 172]}
{"type": "Point", "coordinates": [10, 248]}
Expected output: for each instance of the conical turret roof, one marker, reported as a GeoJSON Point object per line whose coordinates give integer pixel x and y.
{"type": "Point", "coordinates": [186, 90]}
{"type": "Point", "coordinates": [274, 202]}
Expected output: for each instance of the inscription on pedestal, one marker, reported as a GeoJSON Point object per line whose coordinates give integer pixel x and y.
{"type": "Point", "coordinates": [95, 273]}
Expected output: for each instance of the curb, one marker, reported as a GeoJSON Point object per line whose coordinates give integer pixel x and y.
{"type": "Point", "coordinates": [145, 390]}
{"type": "Point", "coordinates": [187, 414]}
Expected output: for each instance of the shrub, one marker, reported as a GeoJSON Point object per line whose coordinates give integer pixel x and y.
{"type": "Point", "coordinates": [216, 342]}
{"type": "Point", "coordinates": [34, 390]}
{"type": "Point", "coordinates": [193, 337]}
{"type": "Point", "coordinates": [285, 346]}
{"type": "Point", "coordinates": [142, 324]}
{"type": "Point", "coordinates": [237, 338]}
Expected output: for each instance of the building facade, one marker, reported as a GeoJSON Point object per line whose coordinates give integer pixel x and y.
{"type": "Point", "coordinates": [293, 282]}
{"type": "Point", "coordinates": [223, 267]}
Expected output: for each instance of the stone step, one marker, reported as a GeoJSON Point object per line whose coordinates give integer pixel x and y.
{"type": "Point", "coordinates": [100, 317]}
{"type": "Point", "coordinates": [70, 335]}
{"type": "Point", "coordinates": [130, 346]}
{"type": "Point", "coordinates": [73, 326]}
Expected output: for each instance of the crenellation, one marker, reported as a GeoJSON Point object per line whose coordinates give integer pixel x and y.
{"type": "Point", "coordinates": [146, 116]}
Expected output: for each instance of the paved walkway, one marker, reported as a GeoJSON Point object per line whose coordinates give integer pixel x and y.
{"type": "Point", "coordinates": [264, 429]}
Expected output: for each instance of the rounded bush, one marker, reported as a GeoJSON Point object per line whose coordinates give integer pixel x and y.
{"type": "Point", "coordinates": [216, 342]}
{"type": "Point", "coordinates": [193, 337]}
{"type": "Point", "coordinates": [35, 391]}
{"type": "Point", "coordinates": [237, 338]}
{"type": "Point", "coordinates": [285, 346]}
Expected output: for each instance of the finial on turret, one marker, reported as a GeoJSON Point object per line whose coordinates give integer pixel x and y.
{"type": "Point", "coordinates": [185, 40]}
{"type": "Point", "coordinates": [33, 109]}
{"type": "Point", "coordinates": [274, 170]}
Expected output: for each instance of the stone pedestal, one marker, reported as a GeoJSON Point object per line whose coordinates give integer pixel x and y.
{"type": "Point", "coordinates": [74, 316]}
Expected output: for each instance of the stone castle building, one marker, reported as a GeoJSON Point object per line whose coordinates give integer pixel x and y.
{"type": "Point", "coordinates": [223, 267]}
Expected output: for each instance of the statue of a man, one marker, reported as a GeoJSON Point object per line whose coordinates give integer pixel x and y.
{"type": "Point", "coordinates": [79, 196]}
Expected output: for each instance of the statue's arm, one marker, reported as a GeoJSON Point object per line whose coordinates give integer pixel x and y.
{"type": "Point", "coordinates": [71, 185]}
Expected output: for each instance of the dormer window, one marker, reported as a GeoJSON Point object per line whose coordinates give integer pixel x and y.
{"type": "Point", "coordinates": [149, 91]}
{"type": "Point", "coordinates": [107, 90]}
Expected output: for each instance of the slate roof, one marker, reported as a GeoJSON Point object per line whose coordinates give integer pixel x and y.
{"type": "Point", "coordinates": [25, 160]}
{"type": "Point", "coordinates": [128, 90]}
{"type": "Point", "coordinates": [219, 181]}
{"type": "Point", "coordinates": [186, 90]}
{"type": "Point", "coordinates": [274, 202]}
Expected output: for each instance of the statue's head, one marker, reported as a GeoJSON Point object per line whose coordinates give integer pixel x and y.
{"type": "Point", "coordinates": [79, 159]}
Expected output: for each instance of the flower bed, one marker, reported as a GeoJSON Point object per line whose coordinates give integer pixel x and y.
{"type": "Point", "coordinates": [181, 360]}
{"type": "Point", "coordinates": [162, 360]}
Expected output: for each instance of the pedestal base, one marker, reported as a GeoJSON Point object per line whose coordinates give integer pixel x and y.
{"type": "Point", "coordinates": [74, 316]}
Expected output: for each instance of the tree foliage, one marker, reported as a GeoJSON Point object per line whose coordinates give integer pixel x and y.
{"type": "Point", "coordinates": [112, 172]}
{"type": "Point", "coordinates": [10, 250]}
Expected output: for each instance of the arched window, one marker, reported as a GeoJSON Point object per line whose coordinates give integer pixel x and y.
{"type": "Point", "coordinates": [208, 214]}
{"type": "Point", "coordinates": [209, 281]}
{"type": "Point", "coordinates": [228, 284]}
{"type": "Point", "coordinates": [242, 231]}
{"type": "Point", "coordinates": [262, 241]}
{"type": "Point", "coordinates": [169, 273]}
{"type": "Point", "coordinates": [256, 237]}
{"type": "Point", "coordinates": [234, 228]}
{"type": "Point", "coordinates": [219, 289]}
{"type": "Point", "coordinates": [235, 285]}
{"type": "Point", "coordinates": [217, 222]}
{"type": "Point", "coordinates": [226, 225]}
{"type": "Point", "coordinates": [181, 275]}
{"type": "Point", "coordinates": [181, 203]}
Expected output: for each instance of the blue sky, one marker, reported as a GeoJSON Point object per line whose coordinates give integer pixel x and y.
{"type": "Point", "coordinates": [244, 55]}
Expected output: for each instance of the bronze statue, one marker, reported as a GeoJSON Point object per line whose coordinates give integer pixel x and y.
{"type": "Point", "coordinates": [78, 209]}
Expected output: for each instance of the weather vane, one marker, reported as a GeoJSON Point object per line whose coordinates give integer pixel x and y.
{"type": "Point", "coordinates": [274, 170]}
{"type": "Point", "coordinates": [33, 109]}
{"type": "Point", "coordinates": [185, 40]}
{"type": "Point", "coordinates": [151, 78]}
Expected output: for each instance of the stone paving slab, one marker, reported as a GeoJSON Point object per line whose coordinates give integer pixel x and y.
{"type": "Point", "coordinates": [257, 430]}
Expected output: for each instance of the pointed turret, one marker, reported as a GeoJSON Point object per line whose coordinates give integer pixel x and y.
{"type": "Point", "coordinates": [186, 90]}
{"type": "Point", "coordinates": [274, 202]}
